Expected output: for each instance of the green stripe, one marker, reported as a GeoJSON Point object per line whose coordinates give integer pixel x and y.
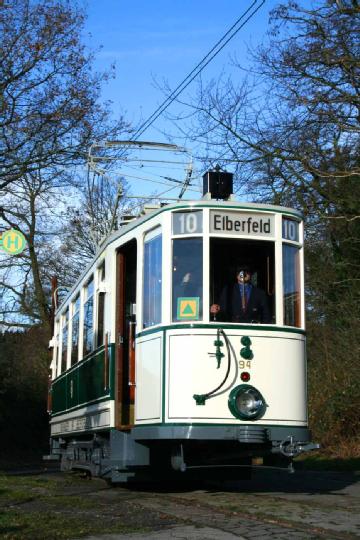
{"type": "Point", "coordinates": [212, 424]}
{"type": "Point", "coordinates": [84, 383]}
{"type": "Point", "coordinates": [81, 406]}
{"type": "Point", "coordinates": [86, 358]}
{"type": "Point", "coordinates": [215, 326]}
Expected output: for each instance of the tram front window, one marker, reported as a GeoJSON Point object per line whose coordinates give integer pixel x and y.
{"type": "Point", "coordinates": [242, 281]}
{"type": "Point", "coordinates": [291, 285]}
{"type": "Point", "coordinates": [187, 279]}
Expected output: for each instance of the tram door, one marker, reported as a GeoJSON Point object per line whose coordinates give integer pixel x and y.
{"type": "Point", "coordinates": [125, 335]}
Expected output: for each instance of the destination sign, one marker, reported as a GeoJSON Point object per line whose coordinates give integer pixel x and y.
{"type": "Point", "coordinates": [244, 223]}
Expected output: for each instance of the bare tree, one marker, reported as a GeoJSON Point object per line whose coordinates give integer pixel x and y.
{"type": "Point", "coordinates": [103, 202]}
{"type": "Point", "coordinates": [32, 206]}
{"type": "Point", "coordinates": [292, 127]}
{"type": "Point", "coordinates": [63, 227]}
{"type": "Point", "coordinates": [50, 114]}
{"type": "Point", "coordinates": [49, 109]}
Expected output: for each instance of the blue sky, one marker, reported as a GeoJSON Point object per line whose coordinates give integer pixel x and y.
{"type": "Point", "coordinates": [164, 40]}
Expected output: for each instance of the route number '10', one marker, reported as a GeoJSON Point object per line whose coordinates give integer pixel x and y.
{"type": "Point", "coordinates": [187, 222]}
{"type": "Point", "coordinates": [290, 230]}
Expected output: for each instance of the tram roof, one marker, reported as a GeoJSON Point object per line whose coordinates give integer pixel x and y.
{"type": "Point", "coordinates": [201, 203]}
{"type": "Point", "coordinates": [184, 204]}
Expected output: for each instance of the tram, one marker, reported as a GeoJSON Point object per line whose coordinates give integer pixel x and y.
{"type": "Point", "coordinates": [145, 374]}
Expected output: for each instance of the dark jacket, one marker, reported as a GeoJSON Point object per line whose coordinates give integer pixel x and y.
{"type": "Point", "coordinates": [257, 309]}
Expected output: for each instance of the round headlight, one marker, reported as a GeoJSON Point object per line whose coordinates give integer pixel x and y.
{"type": "Point", "coordinates": [246, 402]}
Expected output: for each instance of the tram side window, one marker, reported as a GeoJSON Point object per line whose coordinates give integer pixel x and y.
{"type": "Point", "coordinates": [64, 341]}
{"type": "Point", "coordinates": [187, 279]}
{"type": "Point", "coordinates": [88, 318]}
{"type": "Point", "coordinates": [75, 330]}
{"type": "Point", "coordinates": [57, 350]}
{"type": "Point", "coordinates": [291, 285]}
{"type": "Point", "coordinates": [152, 279]}
{"type": "Point", "coordinates": [100, 309]}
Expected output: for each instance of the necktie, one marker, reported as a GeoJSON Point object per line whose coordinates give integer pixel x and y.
{"type": "Point", "coordinates": [243, 298]}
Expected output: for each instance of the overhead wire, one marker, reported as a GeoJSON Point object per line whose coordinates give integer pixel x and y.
{"type": "Point", "coordinates": [199, 68]}
{"type": "Point", "coordinates": [196, 176]}
{"type": "Point", "coordinates": [136, 167]}
{"type": "Point", "coordinates": [154, 181]}
{"type": "Point", "coordinates": [214, 51]}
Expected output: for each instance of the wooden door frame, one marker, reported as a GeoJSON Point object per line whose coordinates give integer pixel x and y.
{"type": "Point", "coordinates": [119, 335]}
{"type": "Point", "coordinates": [124, 352]}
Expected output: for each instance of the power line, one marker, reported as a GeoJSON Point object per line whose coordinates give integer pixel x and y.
{"type": "Point", "coordinates": [198, 69]}
{"type": "Point", "coordinates": [214, 51]}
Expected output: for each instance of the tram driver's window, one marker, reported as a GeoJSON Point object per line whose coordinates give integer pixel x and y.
{"type": "Point", "coordinates": [187, 279]}
{"type": "Point", "coordinates": [152, 278]}
{"type": "Point", "coordinates": [252, 302]}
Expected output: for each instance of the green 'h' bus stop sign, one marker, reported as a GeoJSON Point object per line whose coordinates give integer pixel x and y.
{"type": "Point", "coordinates": [12, 242]}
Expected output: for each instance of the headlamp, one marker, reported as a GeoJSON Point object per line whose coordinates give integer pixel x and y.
{"type": "Point", "coordinates": [246, 402]}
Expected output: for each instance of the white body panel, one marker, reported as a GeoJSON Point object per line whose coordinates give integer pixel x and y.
{"type": "Point", "coordinates": [148, 379]}
{"type": "Point", "coordinates": [278, 371]}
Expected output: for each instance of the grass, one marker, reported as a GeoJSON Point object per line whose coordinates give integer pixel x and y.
{"type": "Point", "coordinates": [40, 508]}
{"type": "Point", "coordinates": [321, 461]}
{"type": "Point", "coordinates": [40, 525]}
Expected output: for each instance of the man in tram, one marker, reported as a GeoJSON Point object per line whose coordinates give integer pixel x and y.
{"type": "Point", "coordinates": [242, 302]}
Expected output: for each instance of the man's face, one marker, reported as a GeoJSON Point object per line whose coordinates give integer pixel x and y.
{"type": "Point", "coordinates": [244, 276]}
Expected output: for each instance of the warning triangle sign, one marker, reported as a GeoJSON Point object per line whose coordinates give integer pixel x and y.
{"type": "Point", "coordinates": [188, 308]}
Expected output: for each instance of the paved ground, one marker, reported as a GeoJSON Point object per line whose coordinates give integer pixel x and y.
{"type": "Point", "coordinates": [274, 505]}
{"type": "Point", "coordinates": [176, 533]}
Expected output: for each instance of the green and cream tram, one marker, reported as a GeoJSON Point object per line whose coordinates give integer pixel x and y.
{"type": "Point", "coordinates": [144, 375]}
